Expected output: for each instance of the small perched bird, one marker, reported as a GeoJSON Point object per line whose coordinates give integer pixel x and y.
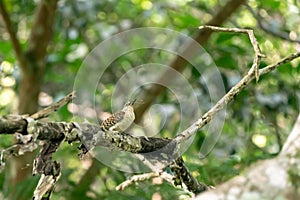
{"type": "Point", "coordinates": [120, 120]}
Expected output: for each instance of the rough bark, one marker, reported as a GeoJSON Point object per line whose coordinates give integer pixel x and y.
{"type": "Point", "coordinates": [32, 74]}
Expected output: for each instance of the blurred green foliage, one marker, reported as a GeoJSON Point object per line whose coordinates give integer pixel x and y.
{"type": "Point", "coordinates": [257, 122]}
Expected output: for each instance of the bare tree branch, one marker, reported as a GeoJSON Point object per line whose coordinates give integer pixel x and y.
{"type": "Point", "coordinates": [13, 36]}
{"type": "Point", "coordinates": [246, 80]}
{"type": "Point", "coordinates": [179, 63]}
{"type": "Point", "coordinates": [252, 73]}
{"type": "Point", "coordinates": [146, 176]}
{"type": "Point", "coordinates": [41, 32]}
{"type": "Point", "coordinates": [253, 41]}
{"type": "Point", "coordinates": [49, 110]}
{"type": "Point", "coordinates": [276, 178]}
{"type": "Point", "coordinates": [91, 135]}
{"type": "Point", "coordinates": [285, 60]}
{"type": "Point", "coordinates": [40, 36]}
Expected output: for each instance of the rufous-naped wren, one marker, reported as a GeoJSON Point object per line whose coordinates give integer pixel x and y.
{"type": "Point", "coordinates": [120, 120]}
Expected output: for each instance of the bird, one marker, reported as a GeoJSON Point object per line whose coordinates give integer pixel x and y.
{"type": "Point", "coordinates": [121, 120]}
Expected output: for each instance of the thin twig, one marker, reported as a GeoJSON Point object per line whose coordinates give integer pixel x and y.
{"type": "Point", "coordinates": [179, 63]}
{"type": "Point", "coordinates": [197, 125]}
{"type": "Point", "coordinates": [258, 54]}
{"type": "Point", "coordinates": [229, 97]}
{"type": "Point", "coordinates": [141, 177]}
{"type": "Point", "coordinates": [201, 122]}
{"type": "Point", "coordinates": [47, 111]}
{"type": "Point", "coordinates": [285, 60]}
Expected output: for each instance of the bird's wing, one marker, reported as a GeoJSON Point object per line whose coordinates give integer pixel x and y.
{"type": "Point", "coordinates": [112, 120]}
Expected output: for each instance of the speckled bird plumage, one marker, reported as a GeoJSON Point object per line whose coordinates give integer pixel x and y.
{"type": "Point", "coordinates": [120, 120]}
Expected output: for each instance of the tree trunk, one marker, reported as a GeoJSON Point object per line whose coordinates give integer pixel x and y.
{"type": "Point", "coordinates": [32, 64]}
{"type": "Point", "coordinates": [276, 178]}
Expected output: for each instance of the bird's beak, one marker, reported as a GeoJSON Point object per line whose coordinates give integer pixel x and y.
{"type": "Point", "coordinates": [132, 102]}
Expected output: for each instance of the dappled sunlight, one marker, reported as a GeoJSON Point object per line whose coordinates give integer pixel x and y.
{"type": "Point", "coordinates": [7, 84]}
{"type": "Point", "coordinates": [200, 118]}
